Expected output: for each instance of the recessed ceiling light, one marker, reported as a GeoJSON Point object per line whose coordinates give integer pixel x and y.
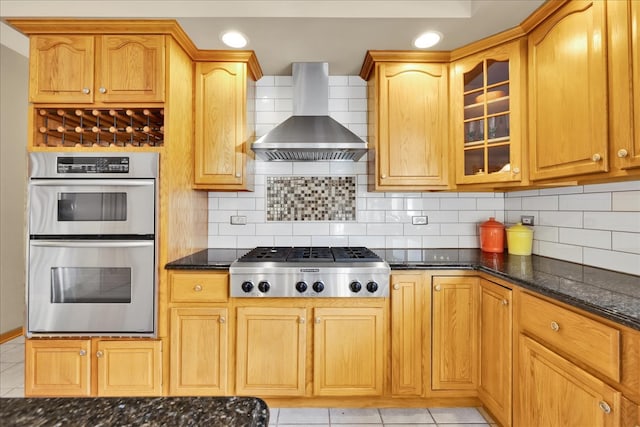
{"type": "Point", "coordinates": [234, 39]}
{"type": "Point", "coordinates": [428, 39]}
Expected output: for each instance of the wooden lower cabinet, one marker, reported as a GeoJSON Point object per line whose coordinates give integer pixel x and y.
{"type": "Point", "coordinates": [271, 351]}
{"type": "Point", "coordinates": [555, 392]}
{"type": "Point", "coordinates": [454, 352]}
{"type": "Point", "coordinates": [348, 351]}
{"type": "Point", "coordinates": [199, 357]}
{"type": "Point", "coordinates": [64, 367]}
{"type": "Point", "coordinates": [407, 313]}
{"type": "Point", "coordinates": [496, 349]}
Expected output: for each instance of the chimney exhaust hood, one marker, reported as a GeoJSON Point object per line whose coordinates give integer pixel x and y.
{"type": "Point", "coordinates": [310, 134]}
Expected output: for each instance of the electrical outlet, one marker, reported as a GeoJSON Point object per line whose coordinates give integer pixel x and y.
{"type": "Point", "coordinates": [526, 219]}
{"type": "Point", "coordinates": [419, 220]}
{"type": "Point", "coordinates": [238, 220]}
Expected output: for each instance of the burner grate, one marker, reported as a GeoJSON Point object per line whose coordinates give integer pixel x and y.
{"type": "Point", "coordinates": [266, 254]}
{"type": "Point", "coordinates": [354, 254]}
{"type": "Point", "coordinates": [312, 253]}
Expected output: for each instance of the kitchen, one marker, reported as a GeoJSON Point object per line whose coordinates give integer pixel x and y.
{"type": "Point", "coordinates": [564, 216]}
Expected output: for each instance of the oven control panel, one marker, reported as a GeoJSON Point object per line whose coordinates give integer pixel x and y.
{"type": "Point", "coordinates": [91, 165]}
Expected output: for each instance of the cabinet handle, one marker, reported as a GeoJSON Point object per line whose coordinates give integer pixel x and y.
{"type": "Point", "coordinates": [103, 90]}
{"type": "Point", "coordinates": [605, 407]}
{"type": "Point", "coordinates": [622, 153]}
{"type": "Point", "coordinates": [505, 302]}
{"type": "Point", "coordinates": [396, 286]}
{"type": "Point", "coordinates": [554, 326]}
{"type": "Point", "coordinates": [222, 320]}
{"type": "Point", "coordinates": [86, 90]}
{"type": "Point", "coordinates": [596, 157]}
{"type": "Point", "coordinates": [82, 352]}
{"type": "Point", "coordinates": [301, 319]}
{"type": "Point", "coordinates": [515, 170]}
{"type": "Point", "coordinates": [437, 287]}
{"type": "Point", "coordinates": [197, 288]}
{"type": "Point", "coordinates": [318, 320]}
{"type": "Point", "coordinates": [99, 354]}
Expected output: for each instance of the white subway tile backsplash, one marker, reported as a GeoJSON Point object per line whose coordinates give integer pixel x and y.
{"type": "Point", "coordinates": [283, 81]}
{"type": "Point", "coordinates": [549, 234]}
{"type": "Point", "coordinates": [252, 241]}
{"type": "Point", "coordinates": [366, 217]}
{"type": "Point", "coordinates": [311, 168]}
{"type": "Point", "coordinates": [626, 201]}
{"type": "Point", "coordinates": [222, 242]}
{"type": "Point", "coordinates": [311, 228]}
{"type": "Point", "coordinates": [513, 203]}
{"type": "Point", "coordinates": [336, 105]}
{"type": "Point", "coordinates": [292, 240]}
{"type": "Point", "coordinates": [230, 203]}
{"type": "Point", "coordinates": [385, 229]}
{"type": "Point", "coordinates": [347, 229]}
{"type": "Point", "coordinates": [284, 105]}
{"type": "Point", "coordinates": [338, 92]}
{"type": "Point", "coordinates": [587, 238]}
{"type": "Point", "coordinates": [561, 251]}
{"type": "Point", "coordinates": [458, 204]}
{"type": "Point", "coordinates": [525, 193]}
{"type": "Point", "coordinates": [350, 116]}
{"type": "Point", "coordinates": [431, 242]}
{"type": "Point", "coordinates": [275, 229]}
{"type": "Point", "coordinates": [468, 241]}
{"type": "Point", "coordinates": [368, 241]}
{"type": "Point", "coordinates": [355, 92]}
{"type": "Point", "coordinates": [613, 186]}
{"type": "Point", "coordinates": [274, 168]}
{"type": "Point", "coordinates": [357, 81]}
{"type": "Point", "coordinates": [616, 221]}
{"type": "Point", "coordinates": [338, 81]}
{"type": "Point", "coordinates": [618, 261]}
{"type": "Point", "coordinates": [561, 190]}
{"type": "Point", "coordinates": [266, 81]}
{"type": "Point", "coordinates": [476, 217]}
{"type": "Point", "coordinates": [272, 117]}
{"type": "Point", "coordinates": [442, 217]}
{"type": "Point", "coordinates": [265, 104]}
{"type": "Point", "coordinates": [421, 204]}
{"type": "Point", "coordinates": [386, 204]}
{"type": "Point", "coordinates": [226, 229]}
{"type": "Point", "coordinates": [459, 229]}
{"type": "Point", "coordinates": [586, 202]}
{"type": "Point", "coordinates": [496, 204]}
{"type": "Point", "coordinates": [540, 203]}
{"type": "Point", "coordinates": [358, 105]}
{"type": "Point", "coordinates": [403, 242]}
{"type": "Point", "coordinates": [560, 219]}
{"type": "Point", "coordinates": [400, 216]}
{"type": "Point", "coordinates": [625, 242]}
{"type": "Point", "coordinates": [330, 240]}
{"type": "Point", "coordinates": [422, 230]}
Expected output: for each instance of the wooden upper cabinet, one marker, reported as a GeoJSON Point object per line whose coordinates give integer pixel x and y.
{"type": "Point", "coordinates": [130, 69]}
{"type": "Point", "coordinates": [624, 83]}
{"type": "Point", "coordinates": [61, 69]}
{"type": "Point", "coordinates": [222, 138]}
{"type": "Point", "coordinates": [87, 69]}
{"type": "Point", "coordinates": [568, 121]}
{"type": "Point", "coordinates": [408, 126]}
{"type": "Point", "coordinates": [487, 114]}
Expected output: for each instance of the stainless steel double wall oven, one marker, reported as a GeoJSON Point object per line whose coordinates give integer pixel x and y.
{"type": "Point", "coordinates": [92, 251]}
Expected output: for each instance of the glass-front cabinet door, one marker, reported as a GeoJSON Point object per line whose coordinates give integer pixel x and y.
{"type": "Point", "coordinates": [487, 115]}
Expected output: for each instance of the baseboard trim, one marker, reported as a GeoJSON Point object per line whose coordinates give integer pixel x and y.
{"type": "Point", "coordinates": [9, 335]}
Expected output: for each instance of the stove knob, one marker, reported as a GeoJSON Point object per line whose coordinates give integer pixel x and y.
{"type": "Point", "coordinates": [318, 286]}
{"type": "Point", "coordinates": [264, 286]}
{"type": "Point", "coordinates": [372, 287]}
{"type": "Point", "coordinates": [247, 286]}
{"type": "Point", "coordinates": [301, 286]}
{"type": "Point", "coordinates": [355, 286]}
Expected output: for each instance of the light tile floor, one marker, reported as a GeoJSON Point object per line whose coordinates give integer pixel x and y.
{"type": "Point", "coordinates": [12, 385]}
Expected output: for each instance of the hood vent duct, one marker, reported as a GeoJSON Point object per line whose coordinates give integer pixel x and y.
{"type": "Point", "coordinates": [310, 134]}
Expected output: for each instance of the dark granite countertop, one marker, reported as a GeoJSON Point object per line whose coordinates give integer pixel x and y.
{"type": "Point", "coordinates": [134, 411]}
{"type": "Point", "coordinates": [613, 295]}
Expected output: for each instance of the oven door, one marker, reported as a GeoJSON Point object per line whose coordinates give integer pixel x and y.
{"type": "Point", "coordinates": [91, 207]}
{"type": "Point", "coordinates": [90, 287]}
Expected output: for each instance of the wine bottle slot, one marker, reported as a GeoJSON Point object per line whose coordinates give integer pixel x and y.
{"type": "Point", "coordinates": [87, 119]}
{"type": "Point", "coordinates": [136, 118]}
{"type": "Point", "coordinates": [68, 118]}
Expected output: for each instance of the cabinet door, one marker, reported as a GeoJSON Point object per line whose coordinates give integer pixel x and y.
{"type": "Point", "coordinates": [348, 349]}
{"type": "Point", "coordinates": [555, 392]}
{"type": "Point", "coordinates": [496, 350]}
{"type": "Point", "coordinates": [413, 133]}
{"type": "Point", "coordinates": [406, 334]}
{"type": "Point", "coordinates": [129, 368]}
{"type": "Point", "coordinates": [61, 69]}
{"type": "Point", "coordinates": [487, 120]}
{"type": "Point", "coordinates": [271, 351]}
{"type": "Point", "coordinates": [454, 351]}
{"type": "Point", "coordinates": [198, 352]}
{"type": "Point", "coordinates": [57, 368]}
{"type": "Point", "coordinates": [130, 69]}
{"type": "Point", "coordinates": [220, 115]}
{"type": "Point", "coordinates": [624, 77]}
{"type": "Point", "coordinates": [568, 123]}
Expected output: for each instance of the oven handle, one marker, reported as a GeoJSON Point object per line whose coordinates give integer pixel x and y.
{"type": "Point", "coordinates": [91, 182]}
{"type": "Point", "coordinates": [92, 243]}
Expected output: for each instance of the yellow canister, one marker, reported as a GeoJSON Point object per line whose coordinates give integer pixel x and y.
{"type": "Point", "coordinates": [519, 239]}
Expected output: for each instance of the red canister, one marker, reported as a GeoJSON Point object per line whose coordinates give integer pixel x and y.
{"type": "Point", "coordinates": [492, 236]}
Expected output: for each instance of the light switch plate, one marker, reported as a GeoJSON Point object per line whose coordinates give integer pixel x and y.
{"type": "Point", "coordinates": [419, 220]}
{"type": "Point", "coordinates": [238, 220]}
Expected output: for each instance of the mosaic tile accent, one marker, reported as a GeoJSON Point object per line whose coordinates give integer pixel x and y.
{"type": "Point", "coordinates": [328, 198]}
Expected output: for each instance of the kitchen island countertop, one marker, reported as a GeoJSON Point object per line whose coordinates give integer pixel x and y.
{"type": "Point", "coordinates": [612, 295]}
{"type": "Point", "coordinates": [135, 411]}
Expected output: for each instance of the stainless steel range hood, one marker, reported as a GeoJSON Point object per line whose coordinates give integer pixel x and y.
{"type": "Point", "coordinates": [310, 134]}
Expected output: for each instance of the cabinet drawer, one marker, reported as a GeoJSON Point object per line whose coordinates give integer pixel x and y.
{"type": "Point", "coordinates": [199, 287]}
{"type": "Point", "coordinates": [588, 341]}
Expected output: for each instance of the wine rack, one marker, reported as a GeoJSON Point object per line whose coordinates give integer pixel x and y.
{"type": "Point", "coordinates": [75, 127]}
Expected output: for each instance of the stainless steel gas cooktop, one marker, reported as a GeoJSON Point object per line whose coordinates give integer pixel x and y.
{"type": "Point", "coordinates": [315, 271]}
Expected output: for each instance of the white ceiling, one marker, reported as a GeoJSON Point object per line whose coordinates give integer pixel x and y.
{"type": "Point", "coordinates": [284, 31]}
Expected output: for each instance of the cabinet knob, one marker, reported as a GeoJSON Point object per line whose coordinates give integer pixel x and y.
{"type": "Point", "coordinates": [622, 153]}
{"type": "Point", "coordinates": [554, 326]}
{"type": "Point", "coordinates": [99, 354]}
{"type": "Point", "coordinates": [383, 176]}
{"type": "Point", "coordinates": [318, 320]}
{"type": "Point", "coordinates": [437, 287]}
{"type": "Point", "coordinates": [605, 407]}
{"type": "Point", "coordinates": [82, 352]}
{"type": "Point", "coordinates": [505, 302]}
{"type": "Point", "coordinates": [103, 90]}
{"type": "Point", "coordinates": [86, 90]}
{"type": "Point", "coordinates": [515, 170]}
{"type": "Point", "coordinates": [301, 319]}
{"type": "Point", "coordinates": [197, 288]}
{"type": "Point", "coordinates": [222, 320]}
{"type": "Point", "coordinates": [238, 175]}
{"type": "Point", "coordinates": [596, 157]}
{"type": "Point", "coordinates": [396, 286]}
